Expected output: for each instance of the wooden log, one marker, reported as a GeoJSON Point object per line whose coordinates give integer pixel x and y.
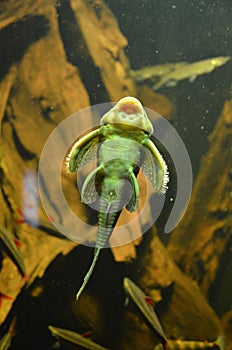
{"type": "Point", "coordinates": [40, 86]}
{"type": "Point", "coordinates": [38, 91]}
{"type": "Point", "coordinates": [204, 235]}
{"type": "Point", "coordinates": [105, 44]}
{"type": "Point", "coordinates": [183, 310]}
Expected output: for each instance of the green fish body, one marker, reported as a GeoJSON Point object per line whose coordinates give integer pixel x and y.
{"type": "Point", "coordinates": [122, 146]}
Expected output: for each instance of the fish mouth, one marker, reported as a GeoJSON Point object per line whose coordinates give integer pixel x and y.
{"type": "Point", "coordinates": [125, 117]}
{"type": "Point", "coordinates": [128, 113]}
{"type": "Point", "coordinates": [129, 110]}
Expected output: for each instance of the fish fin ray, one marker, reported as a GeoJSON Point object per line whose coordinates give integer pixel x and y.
{"type": "Point", "coordinates": [83, 151]}
{"type": "Point", "coordinates": [88, 191]}
{"type": "Point", "coordinates": [155, 168]}
{"type": "Point", "coordinates": [133, 203]}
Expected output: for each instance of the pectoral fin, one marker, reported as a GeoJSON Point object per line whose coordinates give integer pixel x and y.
{"type": "Point", "coordinates": [133, 203]}
{"type": "Point", "coordinates": [88, 192]}
{"type": "Point", "coordinates": [83, 151]}
{"type": "Point", "coordinates": [155, 168]}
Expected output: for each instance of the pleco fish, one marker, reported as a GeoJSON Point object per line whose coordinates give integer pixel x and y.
{"type": "Point", "coordinates": [123, 147]}
{"type": "Point", "coordinates": [191, 71]}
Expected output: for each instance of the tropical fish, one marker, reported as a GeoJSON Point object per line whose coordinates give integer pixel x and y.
{"type": "Point", "coordinates": [122, 146]}
{"type": "Point", "coordinates": [191, 71]}
{"type": "Point", "coordinates": [9, 245]}
{"type": "Point", "coordinates": [156, 71]}
{"type": "Point", "coordinates": [75, 338]}
{"type": "Point", "coordinates": [5, 341]}
{"type": "Point", "coordinates": [192, 345]}
{"type": "Point", "coordinates": [139, 299]}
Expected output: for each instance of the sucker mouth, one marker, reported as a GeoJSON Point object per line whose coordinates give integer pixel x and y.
{"type": "Point", "coordinates": [127, 117]}
{"type": "Point", "coordinates": [128, 108]}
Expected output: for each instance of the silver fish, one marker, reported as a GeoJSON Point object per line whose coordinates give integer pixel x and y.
{"type": "Point", "coordinates": [139, 299]}
{"type": "Point", "coordinates": [191, 71]}
{"type": "Point", "coordinates": [156, 71]}
{"type": "Point", "coordinates": [75, 338]}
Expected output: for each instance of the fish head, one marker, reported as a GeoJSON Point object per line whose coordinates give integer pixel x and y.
{"type": "Point", "coordinates": [219, 61]}
{"type": "Point", "coordinates": [128, 113]}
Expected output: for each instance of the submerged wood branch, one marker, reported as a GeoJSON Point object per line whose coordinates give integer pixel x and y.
{"type": "Point", "coordinates": [39, 88]}
{"type": "Point", "coordinates": [203, 237]}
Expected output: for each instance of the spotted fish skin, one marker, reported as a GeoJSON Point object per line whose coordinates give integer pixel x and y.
{"type": "Point", "coordinates": [123, 145]}
{"type": "Point", "coordinates": [218, 344]}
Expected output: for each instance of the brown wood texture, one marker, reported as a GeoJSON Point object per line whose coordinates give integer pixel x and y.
{"type": "Point", "coordinates": [41, 84]}
{"type": "Point", "coordinates": [184, 311]}
{"type": "Point", "coordinates": [39, 88]}
{"type": "Point", "coordinates": [203, 237]}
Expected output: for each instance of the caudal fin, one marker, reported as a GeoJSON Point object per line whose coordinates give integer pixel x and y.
{"type": "Point", "coordinates": [89, 273]}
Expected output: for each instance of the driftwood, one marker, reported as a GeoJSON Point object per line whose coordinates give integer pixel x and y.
{"type": "Point", "coordinates": [184, 311]}
{"type": "Point", "coordinates": [43, 81]}
{"type": "Point", "coordinates": [39, 88]}
{"type": "Point", "coordinates": [203, 238]}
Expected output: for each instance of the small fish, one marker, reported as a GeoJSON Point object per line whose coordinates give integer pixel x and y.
{"type": "Point", "coordinates": [194, 345]}
{"type": "Point", "coordinates": [8, 244]}
{"type": "Point", "coordinates": [139, 299]}
{"type": "Point", "coordinates": [74, 338]}
{"type": "Point", "coordinates": [121, 145]}
{"type": "Point", "coordinates": [156, 71]}
{"type": "Point", "coordinates": [191, 71]}
{"type": "Point", "coordinates": [5, 341]}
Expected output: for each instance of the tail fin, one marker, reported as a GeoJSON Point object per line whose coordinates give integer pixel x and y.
{"type": "Point", "coordinates": [89, 273]}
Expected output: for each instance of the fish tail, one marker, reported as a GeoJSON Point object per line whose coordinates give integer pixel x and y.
{"type": "Point", "coordinates": [107, 218]}
{"type": "Point", "coordinates": [89, 273]}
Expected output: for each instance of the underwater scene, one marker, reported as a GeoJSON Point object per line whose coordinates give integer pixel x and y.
{"type": "Point", "coordinates": [115, 174]}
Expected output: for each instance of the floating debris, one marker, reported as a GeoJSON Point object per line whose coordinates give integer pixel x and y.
{"type": "Point", "coordinates": [74, 338]}
{"type": "Point", "coordinates": [191, 71]}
